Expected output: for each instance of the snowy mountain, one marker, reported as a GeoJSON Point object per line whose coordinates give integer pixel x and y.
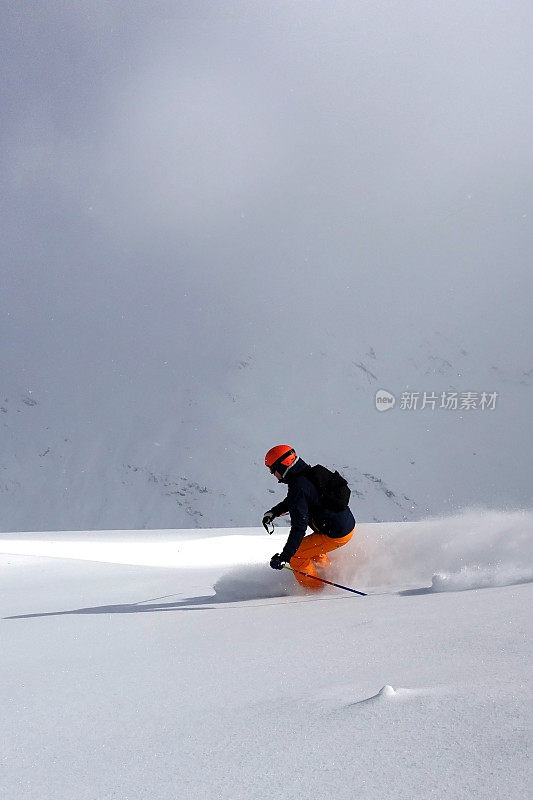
{"type": "Point", "coordinates": [176, 663]}
{"type": "Point", "coordinates": [97, 462]}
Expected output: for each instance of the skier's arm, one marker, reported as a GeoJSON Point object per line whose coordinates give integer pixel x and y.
{"type": "Point", "coordinates": [299, 511]}
{"type": "Point", "coordinates": [281, 508]}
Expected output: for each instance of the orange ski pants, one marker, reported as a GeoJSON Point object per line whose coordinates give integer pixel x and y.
{"type": "Point", "coordinates": [314, 548]}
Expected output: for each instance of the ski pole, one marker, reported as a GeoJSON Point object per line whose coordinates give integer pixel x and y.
{"type": "Point", "coordinates": [330, 583]}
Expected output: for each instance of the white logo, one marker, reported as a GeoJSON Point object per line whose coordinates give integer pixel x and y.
{"type": "Point", "coordinates": [384, 400]}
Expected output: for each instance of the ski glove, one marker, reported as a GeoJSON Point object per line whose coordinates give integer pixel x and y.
{"type": "Point", "coordinates": [268, 518]}
{"type": "Point", "coordinates": [276, 562]}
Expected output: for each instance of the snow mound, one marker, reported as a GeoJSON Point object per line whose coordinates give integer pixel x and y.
{"type": "Point", "coordinates": [386, 691]}
{"type": "Point", "coordinates": [475, 549]}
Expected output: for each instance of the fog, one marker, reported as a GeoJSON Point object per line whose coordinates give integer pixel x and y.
{"type": "Point", "coordinates": [197, 192]}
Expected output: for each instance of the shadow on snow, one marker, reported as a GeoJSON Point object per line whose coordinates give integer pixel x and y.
{"type": "Point", "coordinates": [239, 585]}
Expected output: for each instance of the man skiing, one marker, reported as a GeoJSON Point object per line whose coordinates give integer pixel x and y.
{"type": "Point", "coordinates": [331, 529]}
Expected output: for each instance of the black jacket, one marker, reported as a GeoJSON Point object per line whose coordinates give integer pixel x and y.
{"type": "Point", "coordinates": [304, 506]}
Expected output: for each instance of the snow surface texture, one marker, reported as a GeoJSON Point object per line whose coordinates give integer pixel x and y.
{"type": "Point", "coordinates": [158, 664]}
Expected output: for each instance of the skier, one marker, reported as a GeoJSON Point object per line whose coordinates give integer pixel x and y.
{"type": "Point", "coordinates": [331, 529]}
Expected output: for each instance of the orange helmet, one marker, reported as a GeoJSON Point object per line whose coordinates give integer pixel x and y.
{"type": "Point", "coordinates": [280, 458]}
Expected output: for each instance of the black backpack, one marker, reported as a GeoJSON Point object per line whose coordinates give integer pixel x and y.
{"type": "Point", "coordinates": [332, 488]}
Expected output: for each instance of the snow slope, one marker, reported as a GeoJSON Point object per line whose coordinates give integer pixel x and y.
{"type": "Point", "coordinates": [157, 664]}
{"type": "Point", "coordinates": [136, 459]}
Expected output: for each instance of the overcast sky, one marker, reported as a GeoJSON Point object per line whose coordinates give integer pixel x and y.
{"type": "Point", "coordinates": [188, 183]}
